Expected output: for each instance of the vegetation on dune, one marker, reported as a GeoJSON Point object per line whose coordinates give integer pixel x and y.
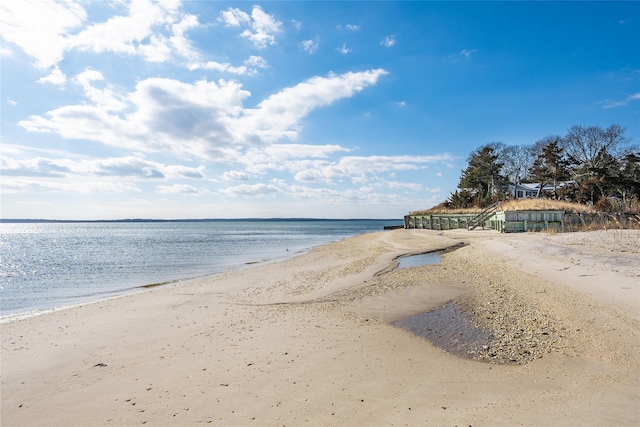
{"type": "Point", "coordinates": [516, 205]}
{"type": "Point", "coordinates": [590, 169]}
{"type": "Point", "coordinates": [545, 205]}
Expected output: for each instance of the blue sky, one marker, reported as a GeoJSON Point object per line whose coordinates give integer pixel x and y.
{"type": "Point", "coordinates": [202, 109]}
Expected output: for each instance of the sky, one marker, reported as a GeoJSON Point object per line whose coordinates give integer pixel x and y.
{"type": "Point", "coordinates": [202, 109]}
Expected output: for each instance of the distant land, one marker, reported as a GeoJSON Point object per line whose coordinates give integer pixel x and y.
{"type": "Point", "coordinates": [31, 221]}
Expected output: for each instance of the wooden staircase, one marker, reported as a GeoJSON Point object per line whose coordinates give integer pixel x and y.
{"type": "Point", "coordinates": [483, 216]}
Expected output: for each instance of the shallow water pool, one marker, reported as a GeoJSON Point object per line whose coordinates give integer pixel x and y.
{"type": "Point", "coordinates": [417, 260]}
{"type": "Point", "coordinates": [448, 328]}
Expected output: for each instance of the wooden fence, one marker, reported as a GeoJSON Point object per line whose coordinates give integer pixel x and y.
{"type": "Point", "coordinates": [505, 222]}
{"type": "Point", "coordinates": [438, 222]}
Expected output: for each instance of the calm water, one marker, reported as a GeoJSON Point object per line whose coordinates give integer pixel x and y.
{"type": "Point", "coordinates": [51, 265]}
{"type": "Point", "coordinates": [417, 260]}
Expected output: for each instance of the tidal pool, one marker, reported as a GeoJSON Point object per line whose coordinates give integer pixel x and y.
{"type": "Point", "coordinates": [448, 328]}
{"type": "Point", "coordinates": [417, 260]}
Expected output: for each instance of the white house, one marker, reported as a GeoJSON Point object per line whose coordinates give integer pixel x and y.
{"type": "Point", "coordinates": [528, 190]}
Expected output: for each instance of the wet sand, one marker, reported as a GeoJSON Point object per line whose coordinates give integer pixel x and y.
{"type": "Point", "coordinates": [310, 341]}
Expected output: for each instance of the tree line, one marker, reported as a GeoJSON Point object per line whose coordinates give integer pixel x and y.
{"type": "Point", "coordinates": [587, 165]}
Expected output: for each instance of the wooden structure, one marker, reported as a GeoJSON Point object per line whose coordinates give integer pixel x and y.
{"type": "Point", "coordinates": [503, 221]}
{"type": "Point", "coordinates": [438, 221]}
{"type": "Point", "coordinates": [519, 221]}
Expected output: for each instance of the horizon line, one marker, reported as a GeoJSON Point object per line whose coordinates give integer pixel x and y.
{"type": "Point", "coordinates": [44, 220]}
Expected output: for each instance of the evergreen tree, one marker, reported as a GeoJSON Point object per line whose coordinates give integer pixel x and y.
{"type": "Point", "coordinates": [483, 176]}
{"type": "Point", "coordinates": [550, 167]}
{"type": "Point", "coordinates": [460, 200]}
{"type": "Point", "coordinates": [623, 179]}
{"type": "Point", "coordinates": [600, 162]}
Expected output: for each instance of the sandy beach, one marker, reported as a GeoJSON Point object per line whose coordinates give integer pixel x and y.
{"type": "Point", "coordinates": [310, 341]}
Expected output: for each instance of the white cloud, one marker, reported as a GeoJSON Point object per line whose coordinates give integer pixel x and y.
{"type": "Point", "coordinates": [344, 49]}
{"type": "Point", "coordinates": [256, 61]}
{"type": "Point", "coordinates": [236, 176]}
{"type": "Point", "coordinates": [262, 27]}
{"type": "Point", "coordinates": [310, 46]}
{"type": "Point", "coordinates": [41, 34]}
{"type": "Point", "coordinates": [92, 186]}
{"type": "Point", "coordinates": [282, 152]}
{"type": "Point", "coordinates": [401, 103]}
{"type": "Point", "coordinates": [141, 168]}
{"type": "Point", "coordinates": [468, 52]}
{"type": "Point", "coordinates": [296, 24]}
{"type": "Point", "coordinates": [285, 156]}
{"type": "Point", "coordinates": [205, 119]}
{"type": "Point", "coordinates": [152, 30]}
{"type": "Point", "coordinates": [379, 183]}
{"type": "Point", "coordinates": [167, 115]}
{"type": "Point", "coordinates": [11, 101]}
{"type": "Point", "coordinates": [141, 32]}
{"type": "Point", "coordinates": [359, 168]}
{"type": "Point", "coordinates": [38, 166]}
{"type": "Point", "coordinates": [279, 115]}
{"type": "Point", "coordinates": [388, 41]}
{"type": "Point", "coordinates": [612, 104]}
{"type": "Point", "coordinates": [180, 189]}
{"type": "Point", "coordinates": [364, 199]}
{"type": "Point", "coordinates": [106, 99]}
{"type": "Point", "coordinates": [5, 51]}
{"type": "Point", "coordinates": [234, 17]}
{"type": "Point", "coordinates": [396, 185]}
{"type": "Point", "coordinates": [250, 66]}
{"type": "Point", "coordinates": [251, 190]}
{"type": "Point", "coordinates": [56, 77]}
{"type": "Point", "coordinates": [20, 163]}
{"type": "Point", "coordinates": [179, 41]}
{"type": "Point", "coordinates": [221, 67]}
{"type": "Point", "coordinates": [350, 27]}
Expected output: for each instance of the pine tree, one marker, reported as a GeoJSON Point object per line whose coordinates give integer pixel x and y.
{"type": "Point", "coordinates": [483, 176]}
{"type": "Point", "coordinates": [550, 167]}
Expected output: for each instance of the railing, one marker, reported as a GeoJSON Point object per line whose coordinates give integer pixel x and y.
{"type": "Point", "coordinates": [483, 216]}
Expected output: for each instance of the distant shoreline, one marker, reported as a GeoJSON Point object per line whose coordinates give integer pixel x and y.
{"type": "Point", "coordinates": [136, 220]}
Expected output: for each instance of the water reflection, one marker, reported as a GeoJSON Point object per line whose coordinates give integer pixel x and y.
{"type": "Point", "coordinates": [417, 260]}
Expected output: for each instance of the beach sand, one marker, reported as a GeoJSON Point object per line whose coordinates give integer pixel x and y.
{"type": "Point", "coordinates": [309, 341]}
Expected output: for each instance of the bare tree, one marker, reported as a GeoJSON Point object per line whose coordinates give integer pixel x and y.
{"type": "Point", "coordinates": [517, 160]}
{"type": "Point", "coordinates": [539, 146]}
{"type": "Point", "coordinates": [592, 149]}
{"type": "Point", "coordinates": [589, 146]}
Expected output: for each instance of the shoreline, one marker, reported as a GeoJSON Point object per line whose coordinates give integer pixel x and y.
{"type": "Point", "coordinates": [77, 263]}
{"type": "Point", "coordinates": [309, 341]}
{"type": "Point", "coordinates": [81, 300]}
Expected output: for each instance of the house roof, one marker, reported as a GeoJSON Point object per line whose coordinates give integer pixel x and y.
{"type": "Point", "coordinates": [533, 186]}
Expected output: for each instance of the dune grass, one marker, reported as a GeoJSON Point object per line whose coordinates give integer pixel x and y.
{"type": "Point", "coordinates": [544, 205]}
{"type": "Point", "coordinates": [515, 205]}
{"type": "Point", "coordinates": [441, 210]}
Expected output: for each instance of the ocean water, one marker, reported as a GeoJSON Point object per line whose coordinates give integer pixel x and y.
{"type": "Point", "coordinates": [52, 265]}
